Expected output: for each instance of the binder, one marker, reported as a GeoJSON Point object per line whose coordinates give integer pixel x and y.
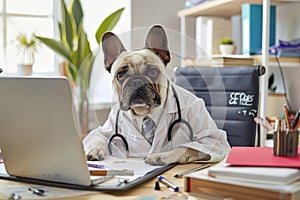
{"type": "Point", "coordinates": [260, 157]}
{"type": "Point", "coordinates": [252, 28]}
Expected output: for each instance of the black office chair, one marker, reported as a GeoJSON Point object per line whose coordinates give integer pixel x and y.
{"type": "Point", "coordinates": [231, 96]}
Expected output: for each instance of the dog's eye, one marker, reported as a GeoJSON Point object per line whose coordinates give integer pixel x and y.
{"type": "Point", "coordinates": [121, 74]}
{"type": "Point", "coordinates": [153, 72]}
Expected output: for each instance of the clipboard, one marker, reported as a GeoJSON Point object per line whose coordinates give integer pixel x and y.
{"type": "Point", "coordinates": [109, 186]}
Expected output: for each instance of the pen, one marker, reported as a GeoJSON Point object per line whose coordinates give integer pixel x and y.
{"type": "Point", "coordinates": [286, 116]}
{"type": "Point", "coordinates": [39, 192]}
{"type": "Point", "coordinates": [279, 125]}
{"type": "Point", "coordinates": [295, 120]}
{"type": "Point", "coordinates": [93, 165]}
{"type": "Point", "coordinates": [108, 172]}
{"type": "Point", "coordinates": [168, 183]}
{"type": "Point", "coordinates": [191, 170]}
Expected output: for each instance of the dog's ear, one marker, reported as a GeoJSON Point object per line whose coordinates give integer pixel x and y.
{"type": "Point", "coordinates": [156, 41]}
{"type": "Point", "coordinates": [112, 47]}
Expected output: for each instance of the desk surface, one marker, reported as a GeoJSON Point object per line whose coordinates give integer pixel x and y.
{"type": "Point", "coordinates": [145, 189]}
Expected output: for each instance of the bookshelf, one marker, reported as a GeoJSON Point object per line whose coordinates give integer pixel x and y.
{"type": "Point", "coordinates": [219, 8]}
{"type": "Point", "coordinates": [223, 9]}
{"type": "Point", "coordinates": [226, 9]}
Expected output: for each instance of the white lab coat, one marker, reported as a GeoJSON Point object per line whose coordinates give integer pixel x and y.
{"type": "Point", "coordinates": [207, 137]}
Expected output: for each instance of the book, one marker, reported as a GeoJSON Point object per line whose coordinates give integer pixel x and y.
{"type": "Point", "coordinates": [232, 60]}
{"type": "Point", "coordinates": [260, 157]}
{"type": "Point", "coordinates": [267, 175]}
{"type": "Point", "coordinates": [205, 183]}
{"type": "Point", "coordinates": [252, 27]}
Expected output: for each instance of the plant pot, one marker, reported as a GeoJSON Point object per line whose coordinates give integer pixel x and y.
{"type": "Point", "coordinates": [25, 69]}
{"type": "Point", "coordinates": [226, 49]}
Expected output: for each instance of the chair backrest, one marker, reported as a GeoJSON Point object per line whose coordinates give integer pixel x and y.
{"type": "Point", "coordinates": [231, 96]}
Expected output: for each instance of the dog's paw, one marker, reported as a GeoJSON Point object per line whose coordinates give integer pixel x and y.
{"type": "Point", "coordinates": [96, 151]}
{"type": "Point", "coordinates": [158, 159]}
{"type": "Point", "coordinates": [165, 158]}
{"type": "Point", "coordinates": [180, 155]}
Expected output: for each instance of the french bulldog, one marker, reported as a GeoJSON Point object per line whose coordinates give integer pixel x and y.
{"type": "Point", "coordinates": [141, 84]}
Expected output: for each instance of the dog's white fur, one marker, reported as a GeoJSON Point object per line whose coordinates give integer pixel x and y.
{"type": "Point", "coordinates": [97, 149]}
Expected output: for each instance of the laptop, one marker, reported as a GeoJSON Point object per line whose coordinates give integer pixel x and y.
{"type": "Point", "coordinates": [39, 136]}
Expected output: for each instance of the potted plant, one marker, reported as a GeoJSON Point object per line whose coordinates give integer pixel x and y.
{"type": "Point", "coordinates": [74, 47]}
{"type": "Point", "coordinates": [27, 46]}
{"type": "Point", "coordinates": [227, 46]}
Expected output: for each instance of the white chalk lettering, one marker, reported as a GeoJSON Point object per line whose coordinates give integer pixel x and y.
{"type": "Point", "coordinates": [241, 99]}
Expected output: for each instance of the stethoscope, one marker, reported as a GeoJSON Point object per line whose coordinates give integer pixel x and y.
{"type": "Point", "coordinates": [177, 121]}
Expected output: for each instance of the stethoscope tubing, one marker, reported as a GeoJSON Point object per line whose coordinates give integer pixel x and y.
{"type": "Point", "coordinates": [177, 121]}
{"type": "Point", "coordinates": [117, 135]}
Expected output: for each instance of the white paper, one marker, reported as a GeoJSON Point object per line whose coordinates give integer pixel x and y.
{"type": "Point", "coordinates": [139, 166]}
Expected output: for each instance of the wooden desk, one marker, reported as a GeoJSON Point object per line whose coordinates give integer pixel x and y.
{"type": "Point", "coordinates": [145, 189]}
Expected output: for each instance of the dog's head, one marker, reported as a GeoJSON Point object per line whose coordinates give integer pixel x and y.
{"type": "Point", "coordinates": [138, 76]}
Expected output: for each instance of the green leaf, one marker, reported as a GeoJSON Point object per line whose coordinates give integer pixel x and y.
{"type": "Point", "coordinates": [56, 46]}
{"type": "Point", "coordinates": [61, 31]}
{"type": "Point", "coordinates": [108, 24]}
{"type": "Point", "coordinates": [67, 25]}
{"type": "Point", "coordinates": [84, 74]}
{"type": "Point", "coordinates": [83, 48]}
{"type": "Point", "coordinates": [71, 71]}
{"type": "Point", "coordinates": [77, 13]}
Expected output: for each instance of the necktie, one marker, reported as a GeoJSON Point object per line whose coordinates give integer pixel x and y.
{"type": "Point", "coordinates": [149, 128]}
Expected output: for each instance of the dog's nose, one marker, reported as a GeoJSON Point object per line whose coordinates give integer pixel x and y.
{"type": "Point", "coordinates": [137, 82]}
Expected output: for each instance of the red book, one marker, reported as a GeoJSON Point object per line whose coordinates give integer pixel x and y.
{"type": "Point", "coordinates": [260, 157]}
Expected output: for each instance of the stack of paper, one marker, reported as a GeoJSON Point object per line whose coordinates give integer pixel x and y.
{"type": "Point", "coordinates": [265, 175]}
{"type": "Point", "coordinates": [253, 181]}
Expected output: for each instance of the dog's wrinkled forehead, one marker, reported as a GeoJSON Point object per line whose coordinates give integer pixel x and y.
{"type": "Point", "coordinates": [136, 59]}
{"type": "Point", "coordinates": [156, 50]}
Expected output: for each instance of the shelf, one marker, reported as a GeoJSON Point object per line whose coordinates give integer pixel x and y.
{"type": "Point", "coordinates": [219, 8]}
{"type": "Point", "coordinates": [258, 59]}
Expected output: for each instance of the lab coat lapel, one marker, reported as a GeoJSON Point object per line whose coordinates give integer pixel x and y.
{"type": "Point", "coordinates": [170, 114]}
{"type": "Point", "coordinates": [136, 141]}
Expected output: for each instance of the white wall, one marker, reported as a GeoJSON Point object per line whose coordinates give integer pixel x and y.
{"type": "Point", "coordinates": [145, 13]}
{"type": "Point", "coordinates": [288, 21]}
{"type": "Point", "coordinates": [288, 28]}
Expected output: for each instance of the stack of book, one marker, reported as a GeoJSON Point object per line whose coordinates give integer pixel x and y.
{"type": "Point", "coordinates": [248, 176]}
{"type": "Point", "coordinates": [232, 60]}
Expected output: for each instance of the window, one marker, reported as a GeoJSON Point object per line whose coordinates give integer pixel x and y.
{"type": "Point", "coordinates": [21, 16]}
{"type": "Point", "coordinates": [40, 17]}
{"type": "Point", "coordinates": [101, 90]}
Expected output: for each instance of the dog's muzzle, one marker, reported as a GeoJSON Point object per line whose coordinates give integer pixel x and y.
{"type": "Point", "coordinates": [139, 92]}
